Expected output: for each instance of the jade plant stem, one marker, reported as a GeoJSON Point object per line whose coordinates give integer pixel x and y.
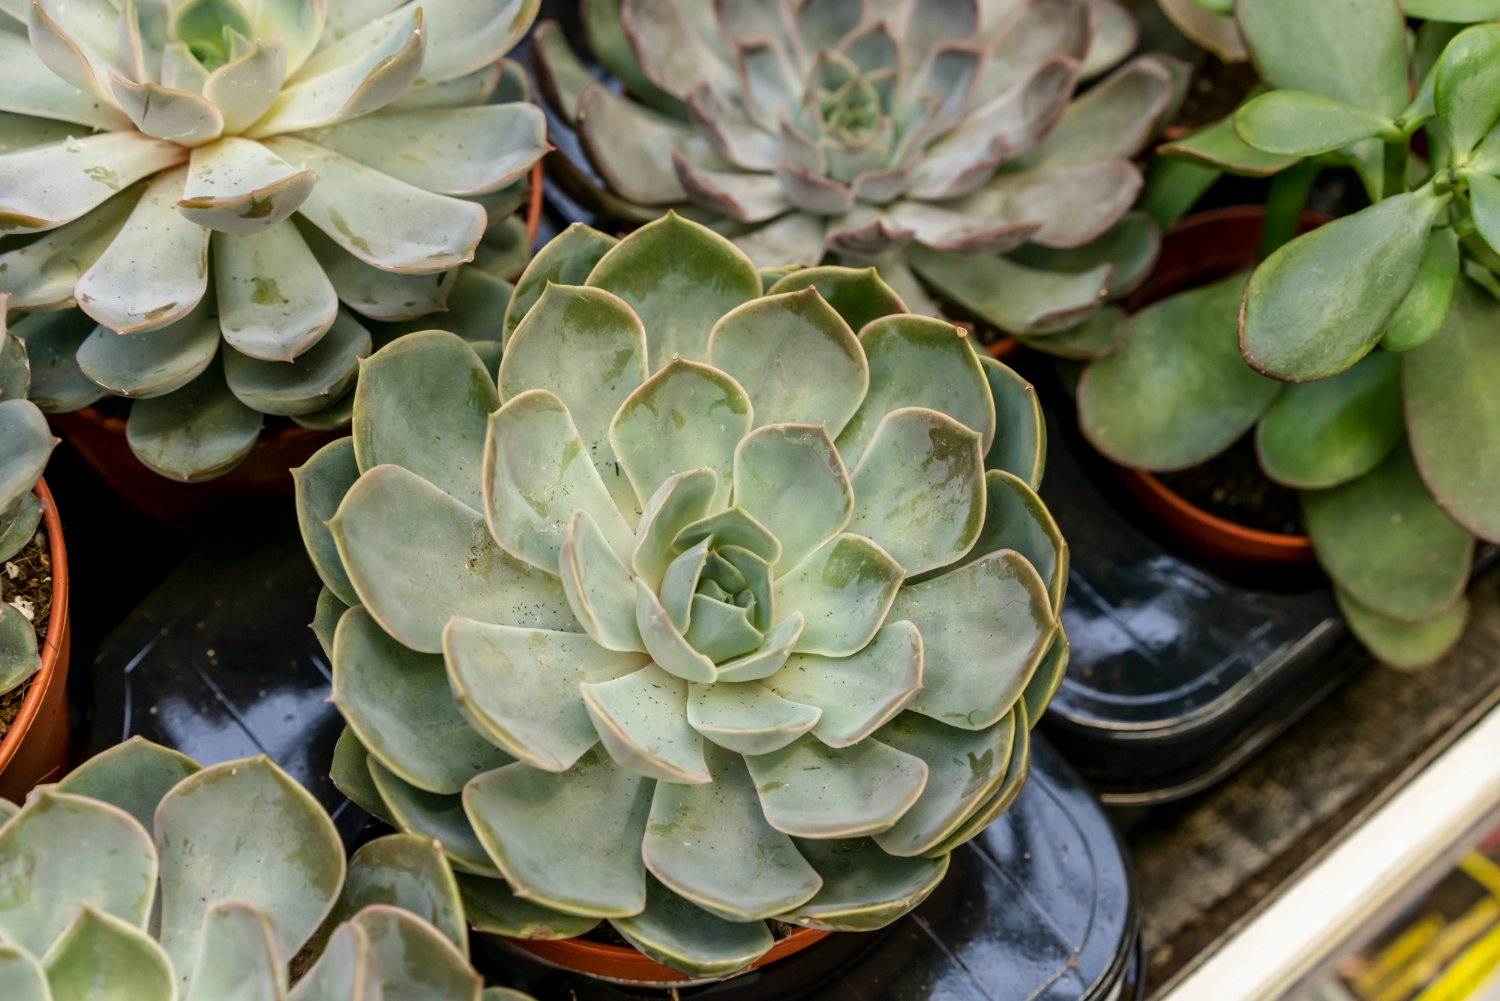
{"type": "Point", "coordinates": [1284, 203]}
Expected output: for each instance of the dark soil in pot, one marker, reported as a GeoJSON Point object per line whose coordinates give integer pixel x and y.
{"type": "Point", "coordinates": [27, 584]}
{"type": "Point", "coordinates": [1232, 486]}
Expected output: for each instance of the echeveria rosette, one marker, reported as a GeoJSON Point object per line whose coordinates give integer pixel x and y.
{"type": "Point", "coordinates": [709, 613]}
{"type": "Point", "coordinates": [926, 136]}
{"type": "Point", "coordinates": [144, 875]}
{"type": "Point", "coordinates": [271, 174]}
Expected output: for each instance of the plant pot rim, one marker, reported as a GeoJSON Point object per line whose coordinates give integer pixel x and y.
{"type": "Point", "coordinates": [57, 620]}
{"type": "Point", "coordinates": [621, 964]}
{"type": "Point", "coordinates": [1274, 547]}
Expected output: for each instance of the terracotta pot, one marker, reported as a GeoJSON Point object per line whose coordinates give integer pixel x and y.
{"type": "Point", "coordinates": [266, 471]}
{"type": "Point", "coordinates": [623, 965]}
{"type": "Point", "coordinates": [1204, 248]}
{"type": "Point", "coordinates": [35, 749]}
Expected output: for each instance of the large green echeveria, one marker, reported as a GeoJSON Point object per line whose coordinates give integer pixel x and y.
{"type": "Point", "coordinates": [257, 173]}
{"type": "Point", "coordinates": [710, 612]}
{"type": "Point", "coordinates": [142, 875]}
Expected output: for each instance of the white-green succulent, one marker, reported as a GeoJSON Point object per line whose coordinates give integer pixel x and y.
{"type": "Point", "coordinates": [935, 136]}
{"type": "Point", "coordinates": [712, 611]}
{"type": "Point", "coordinates": [142, 875]}
{"type": "Point", "coordinates": [187, 172]}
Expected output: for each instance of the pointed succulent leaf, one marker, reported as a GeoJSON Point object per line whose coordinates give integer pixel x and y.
{"type": "Point", "coordinates": [1219, 145]}
{"type": "Point", "coordinates": [965, 768]}
{"type": "Point", "coordinates": [46, 186]}
{"type": "Point", "coordinates": [797, 237]}
{"type": "Point", "coordinates": [239, 957]}
{"type": "Point", "coordinates": [1187, 344]}
{"type": "Point", "coordinates": [1015, 778]}
{"type": "Point", "coordinates": [859, 693]}
{"type": "Point", "coordinates": [350, 772]}
{"type": "Point", "coordinates": [561, 75]}
{"type": "Point", "coordinates": [1387, 543]}
{"type": "Point", "coordinates": [1402, 644]}
{"type": "Point", "coordinates": [665, 642]}
{"type": "Point", "coordinates": [678, 934]}
{"type": "Point", "coordinates": [370, 291]}
{"type": "Point", "coordinates": [1297, 123]}
{"type": "Point", "coordinates": [565, 260]}
{"type": "Point", "coordinates": [680, 278]}
{"type": "Point", "coordinates": [29, 443]}
{"type": "Point", "coordinates": [1425, 309]}
{"type": "Point", "coordinates": [322, 483]}
{"type": "Point", "coordinates": [732, 527]}
{"type": "Point", "coordinates": [642, 720]}
{"type": "Point", "coordinates": [244, 88]}
{"type": "Point", "coordinates": [1320, 434]}
{"type": "Point", "coordinates": [491, 906]}
{"type": "Point", "coordinates": [1130, 247]}
{"type": "Point", "coordinates": [238, 186]}
{"type": "Point", "coordinates": [1015, 518]}
{"type": "Point", "coordinates": [772, 653]}
{"type": "Point", "coordinates": [289, 863]}
{"type": "Point", "coordinates": [681, 500]}
{"type": "Point", "coordinates": [22, 978]}
{"type": "Point", "coordinates": [747, 717]}
{"type": "Point", "coordinates": [1074, 204]}
{"type": "Point", "coordinates": [792, 479]}
{"type": "Point", "coordinates": [326, 619]}
{"type": "Point", "coordinates": [859, 295]}
{"type": "Point", "coordinates": [864, 888]}
{"type": "Point", "coordinates": [1454, 438]}
{"type": "Point", "coordinates": [631, 146]}
{"type": "Point", "coordinates": [1020, 445]}
{"type": "Point", "coordinates": [43, 272]}
{"type": "Point", "coordinates": [347, 970]}
{"type": "Point", "coordinates": [811, 790]}
{"type": "Point", "coordinates": [319, 376]}
{"type": "Point", "coordinates": [399, 704]}
{"type": "Point", "coordinates": [441, 818]}
{"type": "Point", "coordinates": [15, 368]}
{"type": "Point", "coordinates": [569, 841]}
{"type": "Point", "coordinates": [153, 363]}
{"type": "Point", "coordinates": [598, 586]}
{"type": "Point", "coordinates": [133, 776]}
{"type": "Point", "coordinates": [843, 590]}
{"type": "Point", "coordinates": [1016, 299]}
{"type": "Point", "coordinates": [520, 687]}
{"type": "Point", "coordinates": [409, 872]}
{"type": "Point", "coordinates": [52, 339]}
{"type": "Point", "coordinates": [1114, 119]}
{"type": "Point", "coordinates": [100, 948]}
{"type": "Point", "coordinates": [29, 87]}
{"type": "Point", "coordinates": [194, 433]}
{"type": "Point", "coordinates": [415, 958]}
{"type": "Point", "coordinates": [1047, 679]}
{"type": "Point", "coordinates": [985, 627]}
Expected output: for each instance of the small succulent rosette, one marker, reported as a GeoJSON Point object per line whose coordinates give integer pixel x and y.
{"type": "Point", "coordinates": [712, 612]}
{"type": "Point", "coordinates": [145, 876]}
{"type": "Point", "coordinates": [939, 137]}
{"type": "Point", "coordinates": [229, 192]}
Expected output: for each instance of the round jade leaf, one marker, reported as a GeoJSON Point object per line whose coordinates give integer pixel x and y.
{"type": "Point", "coordinates": [1402, 644]}
{"type": "Point", "coordinates": [1320, 434]}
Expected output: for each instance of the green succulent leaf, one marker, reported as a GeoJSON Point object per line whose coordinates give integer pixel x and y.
{"type": "Point", "coordinates": [350, 772]}
{"type": "Point", "coordinates": [1220, 146]}
{"type": "Point", "coordinates": [856, 694]}
{"type": "Point", "coordinates": [859, 295]}
{"type": "Point", "coordinates": [414, 958]}
{"type": "Point", "coordinates": [1297, 123]}
{"type": "Point", "coordinates": [22, 978]}
{"type": "Point", "coordinates": [1015, 777]}
{"type": "Point", "coordinates": [239, 957]}
{"type": "Point", "coordinates": [1402, 644]}
{"type": "Point", "coordinates": [52, 341]}
{"type": "Point", "coordinates": [154, 363]}
{"type": "Point", "coordinates": [406, 871]}
{"type": "Point", "coordinates": [570, 841]}
{"type": "Point", "coordinates": [678, 934]}
{"type": "Point", "coordinates": [1017, 299]}
{"type": "Point", "coordinates": [322, 483]}
{"type": "Point", "coordinates": [326, 619]}
{"type": "Point", "coordinates": [1387, 544]}
{"type": "Point", "coordinates": [17, 532]}
{"type": "Point", "coordinates": [598, 586]}
{"type": "Point", "coordinates": [15, 370]}
{"type": "Point", "coordinates": [732, 527]}
{"type": "Point", "coordinates": [1351, 52]}
{"type": "Point", "coordinates": [843, 590]}
{"type": "Point", "coordinates": [964, 769]}
{"type": "Point", "coordinates": [810, 790]}
{"type": "Point", "coordinates": [98, 948]}
{"type": "Point", "coordinates": [864, 888]}
{"type": "Point", "coordinates": [319, 376]}
{"type": "Point", "coordinates": [1015, 518]}
{"type": "Point", "coordinates": [274, 302]}
{"type": "Point", "coordinates": [1484, 201]}
{"type": "Point", "coordinates": [133, 776]}
{"type": "Point", "coordinates": [1047, 679]}
{"type": "Point", "coordinates": [371, 291]}
{"type": "Point", "coordinates": [347, 970]}
{"type": "Point", "coordinates": [668, 647]}
{"type": "Point", "coordinates": [747, 717]}
{"type": "Point", "coordinates": [1020, 445]}
{"type": "Point", "coordinates": [1457, 11]}
{"type": "Point", "coordinates": [1203, 396]}
{"type": "Point", "coordinates": [683, 499]}
{"type": "Point", "coordinates": [44, 272]}
{"type": "Point", "coordinates": [1466, 90]}
{"type": "Point", "coordinates": [566, 260]}
{"type": "Point", "coordinates": [19, 658]}
{"type": "Point", "coordinates": [1321, 434]}
{"type": "Point", "coordinates": [1424, 310]}
{"type": "Point", "coordinates": [491, 906]}
{"type": "Point", "coordinates": [195, 433]}
{"type": "Point", "coordinates": [1130, 247]}
{"type": "Point", "coordinates": [441, 818]}
{"type": "Point", "coordinates": [642, 720]}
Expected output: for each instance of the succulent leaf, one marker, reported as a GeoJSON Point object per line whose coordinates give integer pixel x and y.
{"type": "Point", "coordinates": [322, 483]}
{"type": "Point", "coordinates": [1015, 777]}
{"type": "Point", "coordinates": [133, 776]}
{"type": "Point", "coordinates": [17, 532]}
{"type": "Point", "coordinates": [435, 816]}
{"type": "Point", "coordinates": [641, 719]}
{"type": "Point", "coordinates": [99, 947]}
{"type": "Point", "coordinates": [678, 934]}
{"type": "Point", "coordinates": [19, 658]}
{"type": "Point", "coordinates": [350, 772]}
{"type": "Point", "coordinates": [863, 887]}
{"type": "Point", "coordinates": [1020, 445]}
{"type": "Point", "coordinates": [409, 872]}
{"type": "Point", "coordinates": [43, 273]}
{"type": "Point", "coordinates": [811, 790]}
{"type": "Point", "coordinates": [964, 768]}
{"type": "Point", "coordinates": [491, 907]}
{"type": "Point", "coordinates": [153, 363]}
{"type": "Point", "coordinates": [239, 958]}
{"type": "Point", "coordinates": [194, 433]}
{"type": "Point", "coordinates": [275, 303]}
{"type": "Point", "coordinates": [320, 375]}
{"type": "Point", "coordinates": [1047, 679]}
{"type": "Point", "coordinates": [1015, 518]}
{"type": "Point", "coordinates": [1016, 299]}
{"type": "Point", "coordinates": [22, 978]}
{"type": "Point", "coordinates": [1354, 53]}
{"type": "Point", "coordinates": [347, 970]}
{"type": "Point", "coordinates": [1425, 309]}
{"type": "Point", "coordinates": [415, 958]}
{"type": "Point", "coordinates": [566, 260]}
{"type": "Point", "coordinates": [747, 717]}
{"type": "Point", "coordinates": [1320, 434]}
{"type": "Point", "coordinates": [1402, 644]}
{"type": "Point", "coordinates": [29, 443]}
{"type": "Point", "coordinates": [52, 340]}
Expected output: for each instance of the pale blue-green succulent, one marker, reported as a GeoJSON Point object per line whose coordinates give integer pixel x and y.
{"type": "Point", "coordinates": [204, 202]}
{"type": "Point", "coordinates": [712, 611]}
{"type": "Point", "coordinates": [142, 875]}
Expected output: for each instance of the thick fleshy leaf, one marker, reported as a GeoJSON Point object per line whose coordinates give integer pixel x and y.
{"type": "Point", "coordinates": [1016, 299]}
{"type": "Point", "coordinates": [238, 186]}
{"type": "Point", "coordinates": [155, 271]}
{"type": "Point", "coordinates": [642, 720]}
{"type": "Point", "coordinates": [1352, 52]}
{"type": "Point", "coordinates": [1219, 145]}
{"type": "Point", "coordinates": [46, 186]}
{"type": "Point", "coordinates": [99, 949]}
{"type": "Point", "coordinates": [1015, 778]}
{"type": "Point", "coordinates": [423, 403]}
{"type": "Point", "coordinates": [52, 339]}
{"type": "Point", "coordinates": [19, 658]}
{"type": "Point", "coordinates": [919, 361]}
{"type": "Point", "coordinates": [768, 658]}
{"type": "Point", "coordinates": [747, 717]}
{"type": "Point", "coordinates": [569, 841]}
{"type": "Point", "coordinates": [382, 221]}
{"type": "Point", "coordinates": [732, 527]}
{"type": "Point", "coordinates": [369, 291]}
{"type": "Point", "coordinates": [519, 687]}
{"type": "Point", "coordinates": [537, 473]}
{"type": "Point", "coordinates": [672, 47]}
{"type": "Point", "coordinates": [410, 872]}
{"type": "Point", "coordinates": [1074, 204]}
{"type": "Point", "coordinates": [335, 417]}
{"type": "Point", "coordinates": [1020, 445]}
{"type": "Point", "coordinates": [28, 87]}
{"type": "Point", "coordinates": [350, 771]}
{"type": "Point", "coordinates": [1424, 310]}
{"type": "Point", "coordinates": [244, 88]}
{"type": "Point", "coordinates": [711, 845]}
{"type": "Point", "coordinates": [347, 970]}
{"type": "Point", "coordinates": [1319, 304]}
{"type": "Point", "coordinates": [567, 259]}
{"type": "Point", "coordinates": [464, 37]}
{"type": "Point", "coordinates": [919, 488]}
{"type": "Point", "coordinates": [681, 935]}
{"type": "Point", "coordinates": [1401, 644]}
{"type": "Point", "coordinates": [441, 818]}
{"type": "Point", "coordinates": [1320, 434]}
{"type": "Point", "coordinates": [1454, 438]}
{"type": "Point", "coordinates": [1384, 541]}
{"type": "Point", "coordinates": [743, 197]}
{"type": "Point", "coordinates": [964, 769]}
{"type": "Point", "coordinates": [15, 535]}
{"type": "Point", "coordinates": [414, 957]}
{"type": "Point", "coordinates": [326, 617]}
{"type": "Point", "coordinates": [1199, 395]}
{"type": "Point", "coordinates": [29, 443]}
{"type": "Point", "coordinates": [1015, 518]}
{"type": "Point", "coordinates": [792, 480]}
{"type": "Point", "coordinates": [238, 956]}
{"type": "Point", "coordinates": [154, 362]}
{"type": "Point", "coordinates": [985, 627]}
{"type": "Point", "coordinates": [399, 705]}
{"type": "Point", "coordinates": [864, 888]}
{"type": "Point", "coordinates": [43, 272]}
{"type": "Point", "coordinates": [598, 585]}
{"type": "Point", "coordinates": [317, 377]}
{"type": "Point", "coordinates": [680, 278]}
{"type": "Point", "coordinates": [844, 590]}
{"type": "Point", "coordinates": [1115, 118]}
{"type": "Point", "coordinates": [1297, 123]}
{"type": "Point", "coordinates": [680, 501]}
{"type": "Point", "coordinates": [632, 146]}
{"type": "Point", "coordinates": [194, 433]}
{"type": "Point", "coordinates": [1047, 679]}
{"type": "Point", "coordinates": [492, 907]}
{"type": "Point", "coordinates": [688, 416]}
{"type": "Point", "coordinates": [133, 776]}
{"type": "Point", "coordinates": [797, 238]}
{"type": "Point", "coordinates": [453, 151]}
{"type": "Point", "coordinates": [560, 75]}
{"type": "Point", "coordinates": [857, 694]}
{"type": "Point", "coordinates": [1466, 91]}
{"type": "Point", "coordinates": [859, 295]}
{"type": "Point", "coordinates": [44, 888]}
{"type": "Point", "coordinates": [1130, 247]}
{"type": "Point", "coordinates": [289, 863]}
{"type": "Point", "coordinates": [811, 790]}
{"type": "Point", "coordinates": [22, 977]}
{"type": "Point", "coordinates": [321, 484]}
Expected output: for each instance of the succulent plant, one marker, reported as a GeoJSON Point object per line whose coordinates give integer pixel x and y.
{"type": "Point", "coordinates": [1361, 352]}
{"type": "Point", "coordinates": [142, 875]}
{"type": "Point", "coordinates": [337, 159]}
{"type": "Point", "coordinates": [926, 136]}
{"type": "Point", "coordinates": [709, 613]}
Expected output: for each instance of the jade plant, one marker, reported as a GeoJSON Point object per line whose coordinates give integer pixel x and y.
{"type": "Point", "coordinates": [142, 875]}
{"type": "Point", "coordinates": [1362, 352]}
{"type": "Point", "coordinates": [204, 202]}
{"type": "Point", "coordinates": [710, 612]}
{"type": "Point", "coordinates": [931, 136]}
